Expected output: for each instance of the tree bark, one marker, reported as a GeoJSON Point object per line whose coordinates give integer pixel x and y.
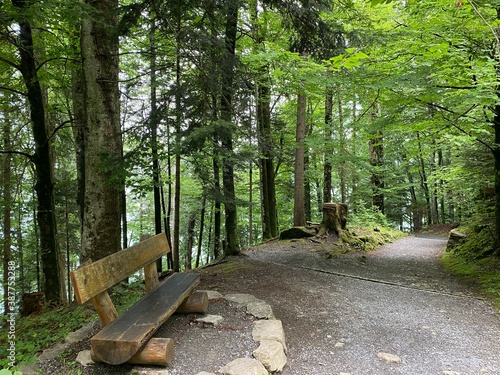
{"type": "Point", "coordinates": [101, 234]}
{"type": "Point", "coordinates": [342, 150]}
{"type": "Point", "coordinates": [202, 227]}
{"type": "Point", "coordinates": [226, 137]}
{"type": "Point", "coordinates": [190, 242]}
{"type": "Point", "coordinates": [7, 205]}
{"type": "Point", "coordinates": [269, 211]}
{"type": "Point", "coordinates": [300, 130]}
{"type": "Point", "coordinates": [153, 122]}
{"type": "Point", "coordinates": [376, 161]}
{"type": "Point", "coordinates": [217, 203]}
{"type": "Point", "coordinates": [496, 156]}
{"type": "Point", "coordinates": [42, 158]}
{"type": "Point", "coordinates": [334, 219]}
{"type": "Point", "coordinates": [423, 180]}
{"type": "Point", "coordinates": [327, 164]}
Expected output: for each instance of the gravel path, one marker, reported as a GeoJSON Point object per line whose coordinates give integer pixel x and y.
{"type": "Point", "coordinates": [339, 314]}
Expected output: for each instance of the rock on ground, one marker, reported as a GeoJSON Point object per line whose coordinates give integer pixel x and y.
{"type": "Point", "coordinates": [271, 354]}
{"type": "Point", "coordinates": [244, 366]}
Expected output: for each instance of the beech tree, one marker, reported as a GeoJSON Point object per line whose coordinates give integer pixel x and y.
{"type": "Point", "coordinates": [101, 227]}
{"type": "Point", "coordinates": [29, 66]}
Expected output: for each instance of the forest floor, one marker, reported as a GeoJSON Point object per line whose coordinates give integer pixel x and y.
{"type": "Point", "coordinates": [339, 313]}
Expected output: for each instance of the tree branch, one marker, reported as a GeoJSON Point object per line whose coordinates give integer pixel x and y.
{"type": "Point", "coordinates": [11, 152]}
{"type": "Point", "coordinates": [8, 62]}
{"type": "Point", "coordinates": [13, 90]}
{"type": "Point", "coordinates": [59, 127]}
{"type": "Point", "coordinates": [456, 87]}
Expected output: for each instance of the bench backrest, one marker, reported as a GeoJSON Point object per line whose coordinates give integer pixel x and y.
{"type": "Point", "coordinates": [92, 280]}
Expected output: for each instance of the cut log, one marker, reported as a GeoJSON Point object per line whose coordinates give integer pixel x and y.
{"type": "Point", "coordinates": [334, 219]}
{"type": "Point", "coordinates": [195, 303]}
{"type": "Point", "coordinates": [157, 351]}
{"type": "Point", "coordinates": [122, 338]}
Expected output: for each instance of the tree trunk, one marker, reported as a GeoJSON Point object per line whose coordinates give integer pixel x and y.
{"type": "Point", "coordinates": [334, 219]}
{"type": "Point", "coordinates": [376, 161]}
{"type": "Point", "coordinates": [264, 137]}
{"type": "Point", "coordinates": [231, 246]}
{"type": "Point", "coordinates": [42, 158]}
{"type": "Point", "coordinates": [153, 122]}
{"type": "Point", "coordinates": [101, 234]}
{"type": "Point", "coordinates": [496, 156]}
{"type": "Point", "coordinates": [307, 166]}
{"type": "Point", "coordinates": [269, 211]}
{"type": "Point", "coordinates": [7, 205]}
{"type": "Point", "coordinates": [423, 180]}
{"type": "Point", "coordinates": [217, 203]}
{"type": "Point", "coordinates": [414, 206]}
{"type": "Point", "coordinates": [177, 149]}
{"type": "Point", "coordinates": [78, 134]}
{"type": "Point", "coordinates": [299, 178]}
{"type": "Point", "coordinates": [342, 151]}
{"type": "Point", "coordinates": [190, 242]}
{"type": "Point", "coordinates": [202, 227]}
{"type": "Point", "coordinates": [327, 164]}
{"type": "Point", "coordinates": [434, 198]}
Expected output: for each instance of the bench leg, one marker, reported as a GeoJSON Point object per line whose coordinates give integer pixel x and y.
{"type": "Point", "coordinates": [195, 303]}
{"type": "Point", "coordinates": [157, 351]}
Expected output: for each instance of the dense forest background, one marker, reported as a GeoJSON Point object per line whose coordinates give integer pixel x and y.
{"type": "Point", "coordinates": [223, 122]}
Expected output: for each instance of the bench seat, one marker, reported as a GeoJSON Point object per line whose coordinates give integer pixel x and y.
{"type": "Point", "coordinates": [118, 341]}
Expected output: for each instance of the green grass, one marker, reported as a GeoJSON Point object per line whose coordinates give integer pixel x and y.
{"type": "Point", "coordinates": [39, 332]}
{"type": "Point", "coordinates": [485, 272]}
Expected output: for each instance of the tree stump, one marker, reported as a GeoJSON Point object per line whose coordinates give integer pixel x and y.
{"type": "Point", "coordinates": [334, 219]}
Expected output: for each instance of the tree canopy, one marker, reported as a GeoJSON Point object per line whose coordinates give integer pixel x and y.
{"type": "Point", "coordinates": [224, 122]}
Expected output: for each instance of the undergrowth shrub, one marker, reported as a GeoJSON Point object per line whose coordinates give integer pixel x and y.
{"type": "Point", "coordinates": [36, 333]}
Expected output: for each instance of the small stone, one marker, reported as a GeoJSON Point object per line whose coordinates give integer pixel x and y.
{"type": "Point", "coordinates": [450, 373]}
{"type": "Point", "coordinates": [149, 371]}
{"type": "Point", "coordinates": [339, 345]}
{"type": "Point", "coordinates": [271, 354]}
{"type": "Point", "coordinates": [80, 334]}
{"type": "Point", "coordinates": [84, 359]}
{"type": "Point", "coordinates": [51, 353]}
{"type": "Point", "coordinates": [211, 319]}
{"type": "Point", "coordinates": [269, 330]}
{"type": "Point", "coordinates": [212, 294]}
{"type": "Point", "coordinates": [389, 358]}
{"type": "Point", "coordinates": [244, 366]}
{"type": "Point", "coordinates": [344, 373]}
{"type": "Point", "coordinates": [260, 310]}
{"type": "Point", "coordinates": [241, 298]}
{"type": "Point", "coordinates": [205, 373]}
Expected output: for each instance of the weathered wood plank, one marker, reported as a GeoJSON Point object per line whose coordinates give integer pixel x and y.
{"type": "Point", "coordinates": [121, 339]}
{"type": "Point", "coordinates": [157, 351]}
{"type": "Point", "coordinates": [104, 308]}
{"type": "Point", "coordinates": [91, 279]}
{"type": "Point", "coordinates": [151, 278]}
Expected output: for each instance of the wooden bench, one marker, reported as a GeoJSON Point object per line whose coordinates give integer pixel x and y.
{"type": "Point", "coordinates": [127, 338]}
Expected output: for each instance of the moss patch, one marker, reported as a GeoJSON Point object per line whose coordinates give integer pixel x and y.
{"type": "Point", "coordinates": [484, 272]}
